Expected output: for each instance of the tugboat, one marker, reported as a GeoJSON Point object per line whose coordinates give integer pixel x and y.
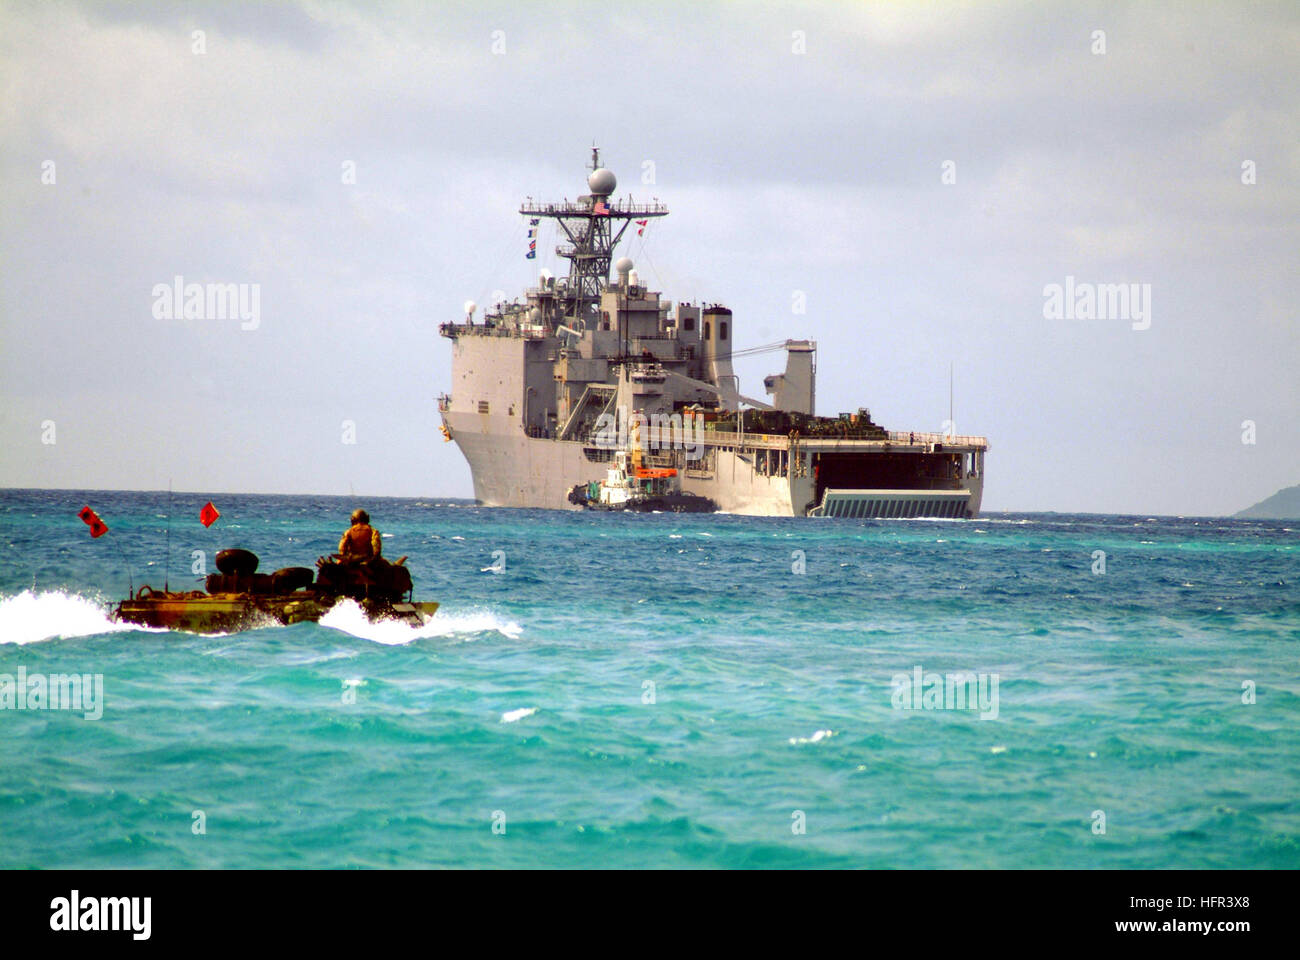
{"type": "Point", "coordinates": [640, 489]}
{"type": "Point", "coordinates": [239, 598]}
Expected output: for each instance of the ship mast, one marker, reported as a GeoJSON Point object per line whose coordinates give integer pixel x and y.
{"type": "Point", "coordinates": [592, 233]}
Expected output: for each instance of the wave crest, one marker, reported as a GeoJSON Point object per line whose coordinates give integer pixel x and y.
{"type": "Point", "coordinates": [348, 617]}
{"type": "Point", "coordinates": [30, 617]}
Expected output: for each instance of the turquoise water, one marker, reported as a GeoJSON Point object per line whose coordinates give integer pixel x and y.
{"type": "Point", "coordinates": [662, 691]}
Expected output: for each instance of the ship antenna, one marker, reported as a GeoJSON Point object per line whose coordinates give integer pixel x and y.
{"type": "Point", "coordinates": [952, 424]}
{"type": "Point", "coordinates": [592, 228]}
{"type": "Point", "coordinates": [130, 578]}
{"type": "Point", "coordinates": [167, 562]}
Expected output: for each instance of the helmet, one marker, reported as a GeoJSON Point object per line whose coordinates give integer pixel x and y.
{"type": "Point", "coordinates": [360, 516]}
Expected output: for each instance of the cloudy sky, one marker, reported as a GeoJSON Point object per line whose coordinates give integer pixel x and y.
{"type": "Point", "coordinates": [802, 149]}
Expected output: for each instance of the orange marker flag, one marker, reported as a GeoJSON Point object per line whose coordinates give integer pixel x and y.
{"type": "Point", "coordinates": [97, 526]}
{"type": "Point", "coordinates": [209, 514]}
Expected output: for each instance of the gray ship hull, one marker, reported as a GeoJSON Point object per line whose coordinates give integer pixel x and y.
{"type": "Point", "coordinates": [510, 469]}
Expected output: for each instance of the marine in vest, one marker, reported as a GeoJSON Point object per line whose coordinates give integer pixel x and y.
{"type": "Point", "coordinates": [361, 541]}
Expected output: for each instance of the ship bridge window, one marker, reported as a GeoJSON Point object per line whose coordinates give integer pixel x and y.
{"type": "Point", "coordinates": [722, 329]}
{"type": "Point", "coordinates": [688, 324]}
{"type": "Point", "coordinates": [708, 333]}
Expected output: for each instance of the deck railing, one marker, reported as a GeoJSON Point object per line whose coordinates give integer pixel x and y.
{"type": "Point", "coordinates": [617, 208]}
{"type": "Point", "coordinates": [720, 438]}
{"type": "Point", "coordinates": [956, 440]}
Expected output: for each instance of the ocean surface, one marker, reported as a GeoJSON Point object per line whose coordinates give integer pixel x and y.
{"type": "Point", "coordinates": [621, 690]}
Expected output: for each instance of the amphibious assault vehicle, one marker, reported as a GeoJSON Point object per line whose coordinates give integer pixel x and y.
{"type": "Point", "coordinates": [237, 597]}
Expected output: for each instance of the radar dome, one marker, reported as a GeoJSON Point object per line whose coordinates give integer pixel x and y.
{"type": "Point", "coordinates": [624, 265]}
{"type": "Point", "coordinates": [602, 182]}
{"type": "Point", "coordinates": [470, 306]}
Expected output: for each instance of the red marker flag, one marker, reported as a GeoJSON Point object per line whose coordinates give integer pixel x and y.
{"type": "Point", "coordinates": [209, 514]}
{"type": "Point", "coordinates": [97, 526]}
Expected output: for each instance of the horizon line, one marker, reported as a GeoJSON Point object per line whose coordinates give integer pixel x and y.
{"type": "Point", "coordinates": [389, 496]}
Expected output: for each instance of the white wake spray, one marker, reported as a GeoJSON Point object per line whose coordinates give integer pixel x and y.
{"type": "Point", "coordinates": [348, 617]}
{"type": "Point", "coordinates": [30, 617]}
{"type": "Point", "coordinates": [514, 716]}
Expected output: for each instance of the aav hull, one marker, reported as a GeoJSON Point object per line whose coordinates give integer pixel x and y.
{"type": "Point", "coordinates": [233, 613]}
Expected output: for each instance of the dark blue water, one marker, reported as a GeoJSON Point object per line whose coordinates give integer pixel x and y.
{"type": "Point", "coordinates": [655, 690]}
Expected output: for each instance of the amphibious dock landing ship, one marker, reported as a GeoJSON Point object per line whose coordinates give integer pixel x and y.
{"type": "Point", "coordinates": [547, 388]}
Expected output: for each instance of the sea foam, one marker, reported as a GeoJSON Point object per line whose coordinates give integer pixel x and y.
{"type": "Point", "coordinates": [348, 617]}
{"type": "Point", "coordinates": [30, 617]}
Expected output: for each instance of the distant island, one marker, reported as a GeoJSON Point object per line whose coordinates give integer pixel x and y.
{"type": "Point", "coordinates": [1283, 505]}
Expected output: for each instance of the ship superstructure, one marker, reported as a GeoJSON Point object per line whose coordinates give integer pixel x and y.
{"type": "Point", "coordinates": [546, 389]}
